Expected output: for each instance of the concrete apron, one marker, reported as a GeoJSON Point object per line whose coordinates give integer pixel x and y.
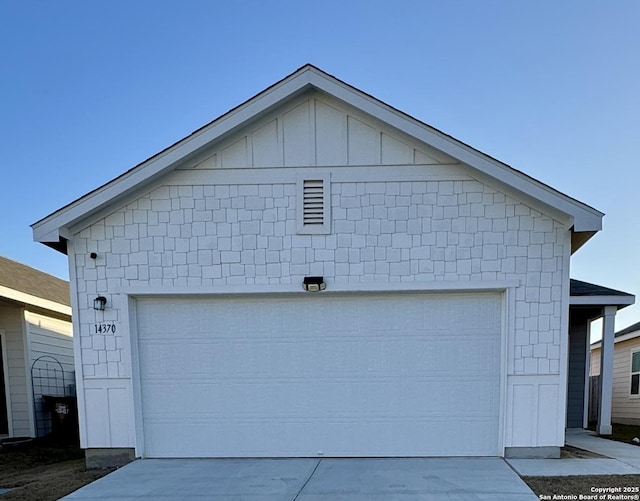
{"type": "Point", "coordinates": [618, 458]}
{"type": "Point", "coordinates": [310, 480]}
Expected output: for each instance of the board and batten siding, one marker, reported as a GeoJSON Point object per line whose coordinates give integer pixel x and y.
{"type": "Point", "coordinates": [625, 409]}
{"type": "Point", "coordinates": [401, 213]}
{"type": "Point", "coordinates": [27, 336]}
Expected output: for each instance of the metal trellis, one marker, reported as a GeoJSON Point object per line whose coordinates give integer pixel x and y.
{"type": "Point", "coordinates": [47, 378]}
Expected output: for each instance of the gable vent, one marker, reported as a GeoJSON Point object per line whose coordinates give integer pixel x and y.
{"type": "Point", "coordinates": [313, 202]}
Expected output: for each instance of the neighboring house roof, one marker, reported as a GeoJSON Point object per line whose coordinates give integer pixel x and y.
{"type": "Point", "coordinates": [632, 328]}
{"type": "Point", "coordinates": [27, 285]}
{"type": "Point", "coordinates": [631, 332]}
{"type": "Point", "coordinates": [585, 293]}
{"type": "Point", "coordinates": [580, 288]}
{"type": "Point", "coordinates": [55, 229]}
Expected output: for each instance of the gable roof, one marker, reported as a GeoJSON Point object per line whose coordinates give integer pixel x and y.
{"type": "Point", "coordinates": [53, 230]}
{"type": "Point", "coordinates": [23, 284]}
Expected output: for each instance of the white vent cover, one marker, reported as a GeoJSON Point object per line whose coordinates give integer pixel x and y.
{"type": "Point", "coordinates": [313, 204]}
{"type": "Point", "coordinates": [313, 201]}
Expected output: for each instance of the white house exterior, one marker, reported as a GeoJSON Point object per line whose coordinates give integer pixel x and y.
{"type": "Point", "coordinates": [625, 405]}
{"type": "Point", "coordinates": [35, 324]}
{"type": "Point", "coordinates": [443, 328]}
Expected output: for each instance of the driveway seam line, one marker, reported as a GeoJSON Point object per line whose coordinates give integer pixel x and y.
{"type": "Point", "coordinates": [307, 481]}
{"type": "Point", "coordinates": [504, 460]}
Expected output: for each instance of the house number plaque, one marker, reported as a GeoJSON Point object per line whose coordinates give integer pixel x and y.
{"type": "Point", "coordinates": [104, 328]}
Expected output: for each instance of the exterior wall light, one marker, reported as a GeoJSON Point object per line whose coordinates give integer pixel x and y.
{"type": "Point", "coordinates": [99, 303]}
{"type": "Point", "coordinates": [314, 284]}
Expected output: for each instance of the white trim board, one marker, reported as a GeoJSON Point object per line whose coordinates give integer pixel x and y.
{"type": "Point", "coordinates": [29, 299]}
{"type": "Point", "coordinates": [601, 300]}
{"type": "Point", "coordinates": [452, 286]}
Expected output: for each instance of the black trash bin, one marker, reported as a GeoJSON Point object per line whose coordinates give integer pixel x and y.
{"type": "Point", "coordinates": [64, 418]}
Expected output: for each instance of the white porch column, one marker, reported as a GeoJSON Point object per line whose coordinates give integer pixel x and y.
{"type": "Point", "coordinates": [587, 380]}
{"type": "Point", "coordinates": [606, 371]}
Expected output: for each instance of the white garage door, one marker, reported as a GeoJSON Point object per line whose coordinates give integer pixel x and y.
{"type": "Point", "coordinates": [307, 375]}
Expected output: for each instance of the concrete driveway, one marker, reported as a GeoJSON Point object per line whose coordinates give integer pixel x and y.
{"type": "Point", "coordinates": [310, 480]}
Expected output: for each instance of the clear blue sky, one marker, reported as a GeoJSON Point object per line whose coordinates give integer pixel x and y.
{"type": "Point", "coordinates": [89, 89]}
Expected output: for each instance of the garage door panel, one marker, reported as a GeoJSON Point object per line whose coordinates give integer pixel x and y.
{"type": "Point", "coordinates": [372, 375]}
{"type": "Point", "coordinates": [295, 438]}
{"type": "Point", "coordinates": [414, 400]}
{"type": "Point", "coordinates": [362, 355]}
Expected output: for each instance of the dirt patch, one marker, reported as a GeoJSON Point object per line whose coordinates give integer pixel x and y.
{"type": "Point", "coordinates": [573, 452]}
{"type": "Point", "coordinates": [582, 485]}
{"type": "Point", "coordinates": [49, 482]}
{"type": "Point", "coordinates": [44, 471]}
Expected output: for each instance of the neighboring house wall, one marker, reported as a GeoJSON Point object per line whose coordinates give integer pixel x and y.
{"type": "Point", "coordinates": [231, 222]}
{"type": "Point", "coordinates": [27, 336]}
{"type": "Point", "coordinates": [49, 338]}
{"type": "Point", "coordinates": [625, 408]}
{"type": "Point", "coordinates": [594, 366]}
{"type": "Point", "coordinates": [52, 337]}
{"type": "Point", "coordinates": [20, 414]}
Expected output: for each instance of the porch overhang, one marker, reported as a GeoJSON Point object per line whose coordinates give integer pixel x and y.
{"type": "Point", "coordinates": [586, 294]}
{"type": "Point", "coordinates": [589, 302]}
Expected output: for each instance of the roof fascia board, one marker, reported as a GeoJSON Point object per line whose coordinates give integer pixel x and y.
{"type": "Point", "coordinates": [585, 218]}
{"type": "Point", "coordinates": [602, 300]}
{"type": "Point", "coordinates": [627, 336]}
{"type": "Point", "coordinates": [32, 300]}
{"type": "Point", "coordinates": [158, 165]}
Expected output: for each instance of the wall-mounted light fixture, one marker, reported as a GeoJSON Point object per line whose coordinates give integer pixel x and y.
{"type": "Point", "coordinates": [99, 303]}
{"type": "Point", "coordinates": [93, 255]}
{"type": "Point", "coordinates": [314, 284]}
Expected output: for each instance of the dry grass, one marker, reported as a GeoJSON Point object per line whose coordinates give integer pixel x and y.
{"type": "Point", "coordinates": [578, 485]}
{"type": "Point", "coordinates": [44, 471]}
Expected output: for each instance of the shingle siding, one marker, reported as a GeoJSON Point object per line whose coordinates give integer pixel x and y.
{"type": "Point", "coordinates": [396, 231]}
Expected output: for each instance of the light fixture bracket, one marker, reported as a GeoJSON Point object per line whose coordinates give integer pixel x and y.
{"type": "Point", "coordinates": [314, 284]}
{"type": "Point", "coordinates": [99, 303]}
